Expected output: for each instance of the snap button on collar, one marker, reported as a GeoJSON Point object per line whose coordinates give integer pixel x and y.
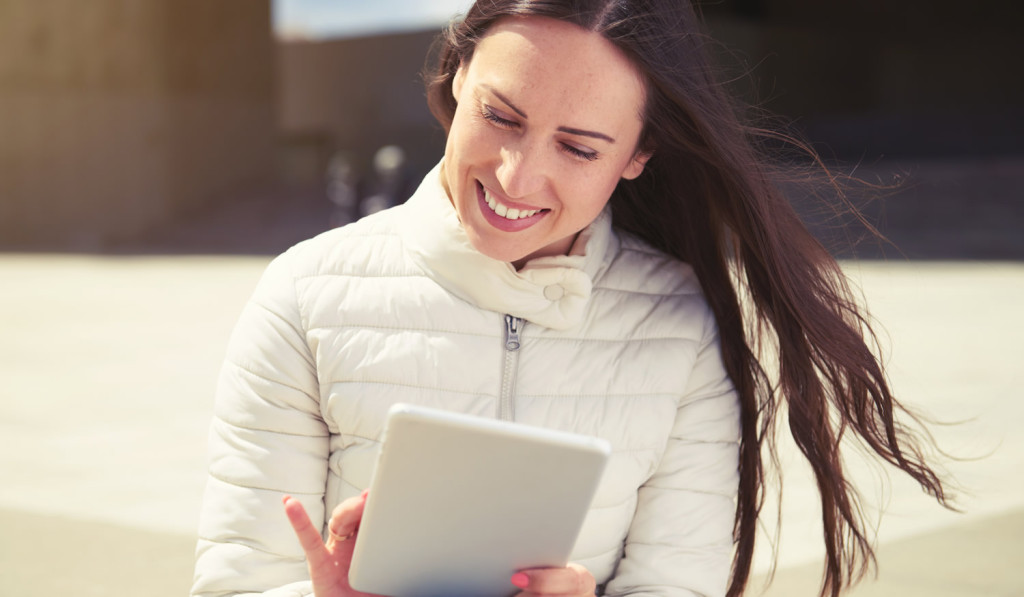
{"type": "Point", "coordinates": [553, 292]}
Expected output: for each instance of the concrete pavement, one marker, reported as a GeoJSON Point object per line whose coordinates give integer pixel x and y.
{"type": "Point", "coordinates": [108, 364]}
{"type": "Point", "coordinates": [978, 557]}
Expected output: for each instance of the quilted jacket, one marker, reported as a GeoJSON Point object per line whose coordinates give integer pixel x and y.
{"type": "Point", "coordinates": [615, 341]}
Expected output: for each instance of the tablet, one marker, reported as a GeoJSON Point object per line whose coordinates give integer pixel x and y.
{"type": "Point", "coordinates": [459, 503]}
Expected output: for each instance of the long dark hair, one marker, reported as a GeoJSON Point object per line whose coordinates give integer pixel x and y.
{"type": "Point", "coordinates": [711, 197]}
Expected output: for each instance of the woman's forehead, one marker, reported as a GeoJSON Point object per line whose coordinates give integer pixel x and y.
{"type": "Point", "coordinates": [552, 61]}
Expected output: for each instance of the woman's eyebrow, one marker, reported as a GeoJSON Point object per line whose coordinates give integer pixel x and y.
{"type": "Point", "coordinates": [593, 134]}
{"type": "Point", "coordinates": [506, 101]}
{"type": "Point", "coordinates": [564, 129]}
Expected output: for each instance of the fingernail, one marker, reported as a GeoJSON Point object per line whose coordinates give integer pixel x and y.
{"type": "Point", "coordinates": [520, 580]}
{"type": "Point", "coordinates": [365, 493]}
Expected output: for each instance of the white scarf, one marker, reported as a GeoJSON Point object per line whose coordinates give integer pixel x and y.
{"type": "Point", "coordinates": [549, 291]}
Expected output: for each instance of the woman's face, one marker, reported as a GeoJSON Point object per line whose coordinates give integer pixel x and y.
{"type": "Point", "coordinates": [548, 121]}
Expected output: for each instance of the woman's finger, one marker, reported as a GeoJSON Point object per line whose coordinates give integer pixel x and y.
{"type": "Point", "coordinates": [572, 580]}
{"type": "Point", "coordinates": [309, 537]}
{"type": "Point", "coordinates": [346, 517]}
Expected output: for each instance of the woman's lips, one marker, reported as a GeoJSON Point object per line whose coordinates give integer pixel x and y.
{"type": "Point", "coordinates": [501, 221]}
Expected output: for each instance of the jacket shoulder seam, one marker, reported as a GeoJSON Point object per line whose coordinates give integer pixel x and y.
{"type": "Point", "coordinates": [618, 340]}
{"type": "Point", "coordinates": [222, 479]}
{"type": "Point", "coordinates": [396, 328]}
{"type": "Point", "coordinates": [290, 558]}
{"type": "Point", "coordinates": [265, 378]}
{"type": "Point", "coordinates": [403, 385]}
{"type": "Point", "coordinates": [226, 421]}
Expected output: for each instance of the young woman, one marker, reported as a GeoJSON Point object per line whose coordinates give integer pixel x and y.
{"type": "Point", "coordinates": [600, 203]}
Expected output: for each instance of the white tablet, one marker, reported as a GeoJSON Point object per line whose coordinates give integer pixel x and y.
{"type": "Point", "coordinates": [459, 503]}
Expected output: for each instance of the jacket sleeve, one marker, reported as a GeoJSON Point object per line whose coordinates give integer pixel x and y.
{"type": "Point", "coordinates": [267, 439]}
{"type": "Point", "coordinates": [680, 540]}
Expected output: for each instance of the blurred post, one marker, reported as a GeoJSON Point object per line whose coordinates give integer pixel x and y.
{"type": "Point", "coordinates": [342, 185]}
{"type": "Point", "coordinates": [390, 180]}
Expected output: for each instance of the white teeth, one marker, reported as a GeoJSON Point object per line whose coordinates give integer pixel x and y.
{"type": "Point", "coordinates": [506, 212]}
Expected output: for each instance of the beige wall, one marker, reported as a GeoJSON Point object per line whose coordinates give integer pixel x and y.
{"type": "Point", "coordinates": [117, 115]}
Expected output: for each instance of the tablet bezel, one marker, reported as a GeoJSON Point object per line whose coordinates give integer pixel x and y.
{"type": "Point", "coordinates": [459, 503]}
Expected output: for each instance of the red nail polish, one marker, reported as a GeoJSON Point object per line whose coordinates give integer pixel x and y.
{"type": "Point", "coordinates": [520, 580]}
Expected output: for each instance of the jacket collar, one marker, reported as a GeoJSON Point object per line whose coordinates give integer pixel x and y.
{"type": "Point", "coordinates": [549, 291]}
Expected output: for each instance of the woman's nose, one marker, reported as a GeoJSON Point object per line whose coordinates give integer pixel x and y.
{"type": "Point", "coordinates": [522, 171]}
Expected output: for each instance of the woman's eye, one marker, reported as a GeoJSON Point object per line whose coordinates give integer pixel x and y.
{"type": "Point", "coordinates": [499, 120]}
{"type": "Point", "coordinates": [491, 116]}
{"type": "Point", "coordinates": [577, 152]}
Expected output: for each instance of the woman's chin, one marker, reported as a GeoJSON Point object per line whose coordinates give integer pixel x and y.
{"type": "Point", "coordinates": [506, 254]}
{"type": "Point", "coordinates": [516, 253]}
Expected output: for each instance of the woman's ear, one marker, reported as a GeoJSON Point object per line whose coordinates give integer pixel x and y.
{"type": "Point", "coordinates": [458, 81]}
{"type": "Point", "coordinates": [635, 167]}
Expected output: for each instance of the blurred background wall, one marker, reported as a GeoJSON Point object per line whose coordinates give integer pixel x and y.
{"type": "Point", "coordinates": [863, 80]}
{"type": "Point", "coordinates": [118, 115]}
{"type": "Point", "coordinates": [354, 96]}
{"type": "Point", "coordinates": [120, 119]}
{"type": "Point", "coordinates": [880, 78]}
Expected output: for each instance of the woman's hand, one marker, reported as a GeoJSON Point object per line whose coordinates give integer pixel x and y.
{"type": "Point", "coordinates": [329, 562]}
{"type": "Point", "coordinates": [572, 581]}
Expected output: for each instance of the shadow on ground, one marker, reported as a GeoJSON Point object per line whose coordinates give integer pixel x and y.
{"type": "Point", "coordinates": [87, 559]}
{"type": "Point", "coordinates": [49, 555]}
{"type": "Point", "coordinates": [978, 559]}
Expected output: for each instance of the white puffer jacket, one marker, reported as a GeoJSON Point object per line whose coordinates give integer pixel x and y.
{"type": "Point", "coordinates": [617, 343]}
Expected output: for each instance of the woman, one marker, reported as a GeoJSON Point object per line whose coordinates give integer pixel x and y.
{"type": "Point", "coordinates": [600, 204]}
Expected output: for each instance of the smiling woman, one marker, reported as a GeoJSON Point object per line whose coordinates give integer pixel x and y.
{"type": "Point", "coordinates": [532, 156]}
{"type": "Point", "coordinates": [575, 261]}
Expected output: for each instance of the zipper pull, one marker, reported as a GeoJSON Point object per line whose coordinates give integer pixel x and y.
{"type": "Point", "coordinates": [512, 327]}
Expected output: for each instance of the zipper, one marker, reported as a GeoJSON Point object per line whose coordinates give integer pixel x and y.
{"type": "Point", "coordinates": [513, 328]}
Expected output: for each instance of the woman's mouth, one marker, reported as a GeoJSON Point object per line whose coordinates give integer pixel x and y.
{"type": "Point", "coordinates": [506, 217]}
{"type": "Point", "coordinates": [509, 213]}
